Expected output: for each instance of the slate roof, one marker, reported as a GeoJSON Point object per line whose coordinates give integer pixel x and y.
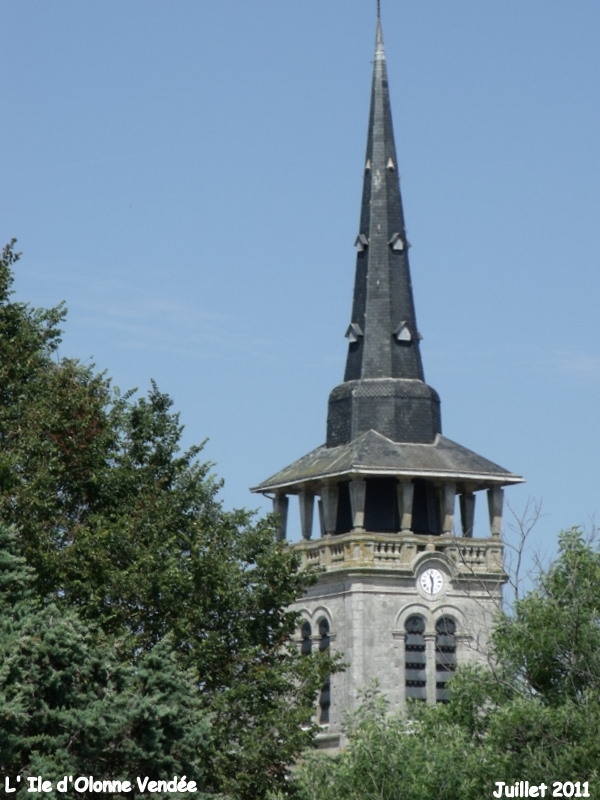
{"type": "Point", "coordinates": [374, 454]}
{"type": "Point", "coordinates": [385, 339]}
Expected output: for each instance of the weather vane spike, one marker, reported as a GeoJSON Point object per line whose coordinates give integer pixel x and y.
{"type": "Point", "coordinates": [378, 9]}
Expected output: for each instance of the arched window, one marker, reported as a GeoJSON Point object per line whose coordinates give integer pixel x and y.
{"type": "Point", "coordinates": [325, 693]}
{"type": "Point", "coordinates": [306, 633]}
{"type": "Point", "coordinates": [324, 634]}
{"type": "Point", "coordinates": [445, 656]}
{"type": "Point", "coordinates": [415, 658]}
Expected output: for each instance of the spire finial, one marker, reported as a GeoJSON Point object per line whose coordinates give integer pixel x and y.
{"type": "Point", "coordinates": [379, 51]}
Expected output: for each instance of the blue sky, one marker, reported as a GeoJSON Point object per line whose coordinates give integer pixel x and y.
{"type": "Point", "coordinates": [187, 176]}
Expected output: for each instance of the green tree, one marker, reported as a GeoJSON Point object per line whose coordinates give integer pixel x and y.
{"type": "Point", "coordinates": [534, 715]}
{"type": "Point", "coordinates": [126, 527]}
{"type": "Point", "coordinates": [388, 759]}
{"type": "Point", "coordinates": [70, 706]}
{"type": "Point", "coordinates": [550, 647]}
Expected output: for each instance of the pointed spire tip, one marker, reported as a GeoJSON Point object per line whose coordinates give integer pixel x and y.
{"type": "Point", "coordinates": [379, 51]}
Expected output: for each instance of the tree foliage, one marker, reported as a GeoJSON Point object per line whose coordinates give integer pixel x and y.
{"type": "Point", "coordinates": [69, 705]}
{"type": "Point", "coordinates": [125, 528]}
{"type": "Point", "coordinates": [533, 715]}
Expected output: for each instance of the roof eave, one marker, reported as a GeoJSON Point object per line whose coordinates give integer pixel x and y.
{"type": "Point", "coordinates": [366, 472]}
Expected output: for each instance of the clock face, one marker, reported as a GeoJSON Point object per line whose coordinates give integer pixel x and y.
{"type": "Point", "coordinates": [431, 581]}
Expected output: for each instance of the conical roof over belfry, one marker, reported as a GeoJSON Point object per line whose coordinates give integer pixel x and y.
{"type": "Point", "coordinates": [384, 420]}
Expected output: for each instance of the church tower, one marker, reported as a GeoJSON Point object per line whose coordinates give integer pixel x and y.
{"type": "Point", "coordinates": [406, 590]}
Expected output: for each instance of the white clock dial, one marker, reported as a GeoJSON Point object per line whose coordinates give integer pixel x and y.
{"type": "Point", "coordinates": [431, 581]}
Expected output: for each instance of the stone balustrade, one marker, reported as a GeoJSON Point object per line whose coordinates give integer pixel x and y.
{"type": "Point", "coordinates": [360, 550]}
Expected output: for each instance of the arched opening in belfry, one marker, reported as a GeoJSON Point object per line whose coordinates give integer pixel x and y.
{"type": "Point", "coordinates": [381, 505]}
{"type": "Point", "coordinates": [426, 508]}
{"type": "Point", "coordinates": [344, 509]}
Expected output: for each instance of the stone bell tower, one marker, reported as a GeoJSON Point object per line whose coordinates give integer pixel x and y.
{"type": "Point", "coordinates": [406, 589]}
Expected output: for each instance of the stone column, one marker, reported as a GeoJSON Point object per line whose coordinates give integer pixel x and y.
{"type": "Point", "coordinates": [467, 513]}
{"type": "Point", "coordinates": [495, 501]}
{"type": "Point", "coordinates": [448, 495]}
{"type": "Point", "coordinates": [399, 638]}
{"type": "Point", "coordinates": [358, 490]}
{"type": "Point", "coordinates": [321, 516]}
{"type": "Point", "coordinates": [306, 499]}
{"type": "Point", "coordinates": [430, 663]}
{"type": "Point", "coordinates": [404, 490]}
{"type": "Point", "coordinates": [329, 499]}
{"type": "Point", "coordinates": [280, 507]}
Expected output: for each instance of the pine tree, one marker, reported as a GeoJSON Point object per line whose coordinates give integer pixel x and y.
{"type": "Point", "coordinates": [70, 706]}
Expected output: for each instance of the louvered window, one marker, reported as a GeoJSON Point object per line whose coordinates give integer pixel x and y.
{"type": "Point", "coordinates": [306, 633]}
{"type": "Point", "coordinates": [325, 693]}
{"type": "Point", "coordinates": [415, 665]}
{"type": "Point", "coordinates": [445, 656]}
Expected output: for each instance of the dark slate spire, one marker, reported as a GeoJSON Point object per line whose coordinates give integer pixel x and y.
{"type": "Point", "coordinates": [383, 387]}
{"type": "Point", "coordinates": [384, 341]}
